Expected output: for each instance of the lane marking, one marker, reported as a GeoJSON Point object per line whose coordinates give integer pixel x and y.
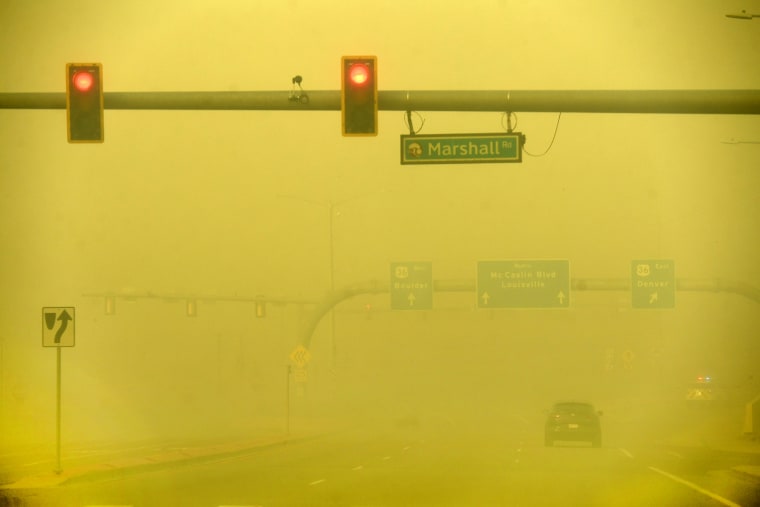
{"type": "Point", "coordinates": [699, 489]}
{"type": "Point", "coordinates": [358, 467]}
{"type": "Point", "coordinates": [225, 459]}
{"type": "Point", "coordinates": [406, 448]}
{"type": "Point", "coordinates": [626, 453]}
{"type": "Point", "coordinates": [674, 453]}
{"type": "Point", "coordinates": [318, 481]}
{"type": "Point", "coordinates": [34, 463]}
{"type": "Point", "coordinates": [386, 458]}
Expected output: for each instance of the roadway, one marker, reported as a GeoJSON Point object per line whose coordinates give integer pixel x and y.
{"type": "Point", "coordinates": [437, 461]}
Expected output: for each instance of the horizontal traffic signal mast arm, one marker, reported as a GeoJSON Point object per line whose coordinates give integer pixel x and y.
{"type": "Point", "coordinates": [569, 101]}
{"type": "Point", "coordinates": [739, 288]}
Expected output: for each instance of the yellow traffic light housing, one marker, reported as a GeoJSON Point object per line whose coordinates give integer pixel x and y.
{"type": "Point", "coordinates": [358, 95]}
{"type": "Point", "coordinates": [261, 309]}
{"type": "Point", "coordinates": [84, 102]}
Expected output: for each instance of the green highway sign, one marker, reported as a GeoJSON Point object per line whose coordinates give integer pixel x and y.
{"type": "Point", "coordinates": [653, 283]}
{"type": "Point", "coordinates": [524, 284]}
{"type": "Point", "coordinates": [461, 148]}
{"type": "Point", "coordinates": [411, 285]}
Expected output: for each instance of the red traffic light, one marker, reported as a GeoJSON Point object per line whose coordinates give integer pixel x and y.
{"type": "Point", "coordinates": [358, 95]}
{"type": "Point", "coordinates": [84, 102]}
{"type": "Point", "coordinates": [358, 73]}
{"type": "Point", "coordinates": [83, 81]}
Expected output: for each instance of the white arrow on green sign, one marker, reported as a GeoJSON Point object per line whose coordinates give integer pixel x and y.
{"type": "Point", "coordinates": [411, 285]}
{"type": "Point", "coordinates": [461, 148]}
{"type": "Point", "coordinates": [524, 284]}
{"type": "Point", "coordinates": [653, 283]}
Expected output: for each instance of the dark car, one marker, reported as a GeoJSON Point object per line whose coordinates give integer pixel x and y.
{"type": "Point", "coordinates": [573, 421]}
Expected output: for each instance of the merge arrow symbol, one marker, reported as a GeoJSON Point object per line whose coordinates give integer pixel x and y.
{"type": "Point", "coordinates": [412, 299]}
{"type": "Point", "coordinates": [64, 318]}
{"type": "Point", "coordinates": [485, 298]}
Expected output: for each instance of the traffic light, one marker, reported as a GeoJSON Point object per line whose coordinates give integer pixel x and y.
{"type": "Point", "coordinates": [84, 102]}
{"type": "Point", "coordinates": [191, 308]}
{"type": "Point", "coordinates": [358, 95]}
{"type": "Point", "coordinates": [261, 309]}
{"type": "Point", "coordinates": [110, 306]}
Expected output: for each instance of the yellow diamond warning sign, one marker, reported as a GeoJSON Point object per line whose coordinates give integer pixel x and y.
{"type": "Point", "coordinates": [300, 356]}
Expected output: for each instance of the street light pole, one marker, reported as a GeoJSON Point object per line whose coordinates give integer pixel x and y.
{"type": "Point", "coordinates": [330, 206]}
{"type": "Point", "coordinates": [331, 211]}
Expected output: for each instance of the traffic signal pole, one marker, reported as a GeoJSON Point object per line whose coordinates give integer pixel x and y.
{"type": "Point", "coordinates": [566, 101]}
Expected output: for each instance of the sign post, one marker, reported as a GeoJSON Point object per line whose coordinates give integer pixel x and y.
{"type": "Point", "coordinates": [58, 331]}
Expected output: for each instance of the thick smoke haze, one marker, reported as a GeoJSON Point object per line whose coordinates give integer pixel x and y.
{"type": "Point", "coordinates": [221, 207]}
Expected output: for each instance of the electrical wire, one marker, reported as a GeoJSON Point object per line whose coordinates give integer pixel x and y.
{"type": "Point", "coordinates": [556, 127]}
{"type": "Point", "coordinates": [507, 126]}
{"type": "Point", "coordinates": [411, 127]}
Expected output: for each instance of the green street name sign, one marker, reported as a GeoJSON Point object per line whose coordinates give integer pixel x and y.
{"type": "Point", "coordinates": [653, 283]}
{"type": "Point", "coordinates": [461, 148]}
{"type": "Point", "coordinates": [411, 285]}
{"type": "Point", "coordinates": [524, 284]}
